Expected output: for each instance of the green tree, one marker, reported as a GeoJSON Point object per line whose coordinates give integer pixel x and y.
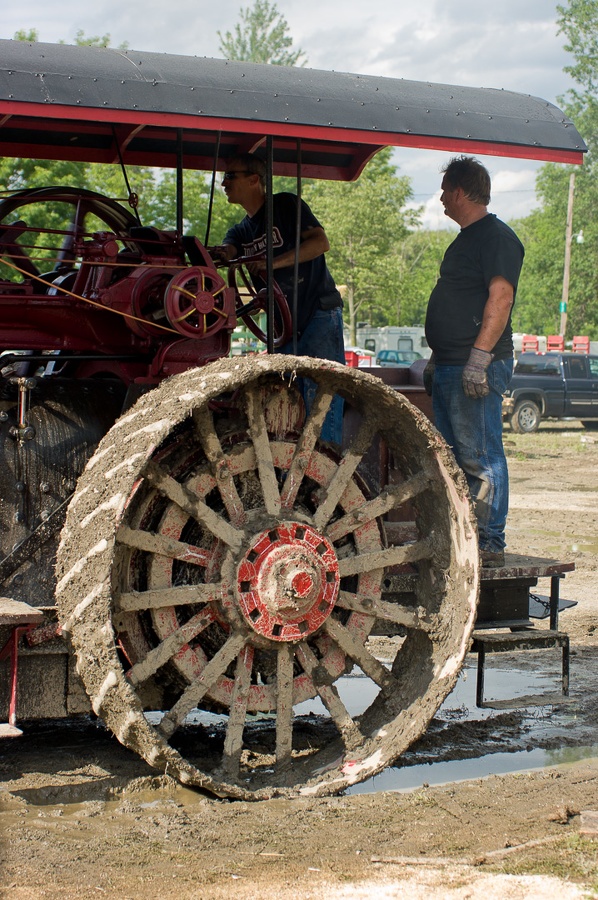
{"type": "Point", "coordinates": [366, 221]}
{"type": "Point", "coordinates": [578, 21]}
{"type": "Point", "coordinates": [96, 41]}
{"type": "Point", "coordinates": [420, 255]}
{"type": "Point", "coordinates": [543, 232]}
{"type": "Point", "coordinates": [544, 236]}
{"type": "Point", "coordinates": [23, 35]}
{"type": "Point", "coordinates": [80, 39]}
{"type": "Point", "coordinates": [261, 36]}
{"type": "Point", "coordinates": [196, 201]}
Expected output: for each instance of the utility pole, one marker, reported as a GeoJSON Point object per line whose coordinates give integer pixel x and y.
{"type": "Point", "coordinates": [567, 269]}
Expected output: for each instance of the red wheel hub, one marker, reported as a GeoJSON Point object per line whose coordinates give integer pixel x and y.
{"type": "Point", "coordinates": [288, 582]}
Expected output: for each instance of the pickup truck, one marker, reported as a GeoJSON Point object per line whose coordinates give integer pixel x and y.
{"type": "Point", "coordinates": [552, 386]}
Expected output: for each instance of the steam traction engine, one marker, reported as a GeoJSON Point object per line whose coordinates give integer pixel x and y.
{"type": "Point", "coordinates": [219, 572]}
{"type": "Point", "coordinates": [217, 560]}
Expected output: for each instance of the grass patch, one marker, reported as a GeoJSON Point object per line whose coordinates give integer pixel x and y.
{"type": "Point", "coordinates": [573, 859]}
{"type": "Point", "coordinates": [548, 443]}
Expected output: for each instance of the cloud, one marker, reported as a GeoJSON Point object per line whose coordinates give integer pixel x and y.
{"type": "Point", "coordinates": [433, 217]}
{"type": "Point", "coordinates": [513, 192]}
{"type": "Point", "coordinates": [519, 55]}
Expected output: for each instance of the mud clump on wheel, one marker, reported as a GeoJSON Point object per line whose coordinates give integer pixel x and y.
{"type": "Point", "coordinates": [222, 574]}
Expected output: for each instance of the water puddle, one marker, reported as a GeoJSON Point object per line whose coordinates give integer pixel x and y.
{"type": "Point", "coordinates": [535, 725]}
{"type": "Point", "coordinates": [357, 691]}
{"type": "Point", "coordinates": [585, 545]}
{"type": "Point", "coordinates": [463, 741]}
{"type": "Point", "coordinates": [412, 778]}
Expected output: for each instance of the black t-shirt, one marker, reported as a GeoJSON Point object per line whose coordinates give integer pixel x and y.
{"type": "Point", "coordinates": [315, 281]}
{"type": "Point", "coordinates": [478, 254]}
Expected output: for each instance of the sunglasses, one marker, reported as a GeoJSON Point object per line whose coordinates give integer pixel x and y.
{"type": "Point", "coordinates": [230, 176]}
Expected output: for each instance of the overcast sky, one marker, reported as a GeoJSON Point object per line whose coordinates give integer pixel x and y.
{"type": "Point", "coordinates": [511, 44]}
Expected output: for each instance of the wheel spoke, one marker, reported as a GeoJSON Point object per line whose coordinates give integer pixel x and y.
{"type": "Point", "coordinates": [192, 296]}
{"type": "Point", "coordinates": [202, 684]}
{"type": "Point", "coordinates": [362, 656]}
{"type": "Point", "coordinates": [388, 612]}
{"type": "Point", "coordinates": [233, 743]}
{"type": "Point", "coordinates": [259, 436]}
{"type": "Point", "coordinates": [192, 505]}
{"type": "Point", "coordinates": [204, 427]}
{"type": "Point", "coordinates": [344, 473]}
{"type": "Point", "coordinates": [391, 498]}
{"type": "Point", "coordinates": [391, 556]}
{"type": "Point", "coordinates": [348, 730]}
{"type": "Point", "coordinates": [159, 598]}
{"type": "Point", "coordinates": [305, 445]}
{"type": "Point", "coordinates": [160, 655]}
{"type": "Point", "coordinates": [284, 706]}
{"type": "Point", "coordinates": [163, 546]}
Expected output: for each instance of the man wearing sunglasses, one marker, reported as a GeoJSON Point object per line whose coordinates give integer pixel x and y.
{"type": "Point", "coordinates": [319, 304]}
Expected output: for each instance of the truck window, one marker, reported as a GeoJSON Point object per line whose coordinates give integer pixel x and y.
{"type": "Point", "coordinates": [593, 361]}
{"type": "Point", "coordinates": [577, 368]}
{"type": "Point", "coordinates": [538, 366]}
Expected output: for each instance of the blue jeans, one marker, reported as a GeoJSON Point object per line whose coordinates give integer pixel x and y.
{"type": "Point", "coordinates": [323, 339]}
{"type": "Point", "coordinates": [473, 428]}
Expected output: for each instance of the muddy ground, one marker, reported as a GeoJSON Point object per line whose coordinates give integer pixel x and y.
{"type": "Point", "coordinates": [80, 816]}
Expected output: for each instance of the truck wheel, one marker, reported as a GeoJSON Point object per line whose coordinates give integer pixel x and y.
{"type": "Point", "coordinates": [221, 575]}
{"type": "Point", "coordinates": [590, 424]}
{"type": "Point", "coordinates": [526, 417]}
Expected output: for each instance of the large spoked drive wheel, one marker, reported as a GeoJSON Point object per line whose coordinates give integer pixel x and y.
{"type": "Point", "coordinates": [221, 575]}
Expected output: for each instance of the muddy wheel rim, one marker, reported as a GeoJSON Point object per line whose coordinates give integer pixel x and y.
{"type": "Point", "coordinates": [220, 569]}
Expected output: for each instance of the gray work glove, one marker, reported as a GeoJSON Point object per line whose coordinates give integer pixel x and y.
{"type": "Point", "coordinates": [428, 375]}
{"type": "Point", "coordinates": [475, 376]}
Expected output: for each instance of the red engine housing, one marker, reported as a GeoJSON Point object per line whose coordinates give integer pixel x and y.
{"type": "Point", "coordinates": [129, 301]}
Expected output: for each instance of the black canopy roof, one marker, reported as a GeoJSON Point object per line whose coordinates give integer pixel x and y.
{"type": "Point", "coordinates": [85, 103]}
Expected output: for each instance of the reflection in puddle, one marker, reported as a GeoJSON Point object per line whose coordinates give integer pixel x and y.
{"type": "Point", "coordinates": [357, 692]}
{"type": "Point", "coordinates": [531, 726]}
{"type": "Point", "coordinates": [584, 545]}
{"type": "Point", "coordinates": [459, 706]}
{"type": "Point", "coordinates": [411, 778]}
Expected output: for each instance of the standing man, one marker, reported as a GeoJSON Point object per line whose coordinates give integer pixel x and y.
{"type": "Point", "coordinates": [319, 304]}
{"type": "Point", "coordinates": [468, 327]}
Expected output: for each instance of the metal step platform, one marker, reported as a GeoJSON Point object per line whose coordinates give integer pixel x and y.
{"type": "Point", "coordinates": [505, 604]}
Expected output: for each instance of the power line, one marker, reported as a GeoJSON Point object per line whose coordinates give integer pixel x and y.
{"type": "Point", "coordinates": [521, 191]}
